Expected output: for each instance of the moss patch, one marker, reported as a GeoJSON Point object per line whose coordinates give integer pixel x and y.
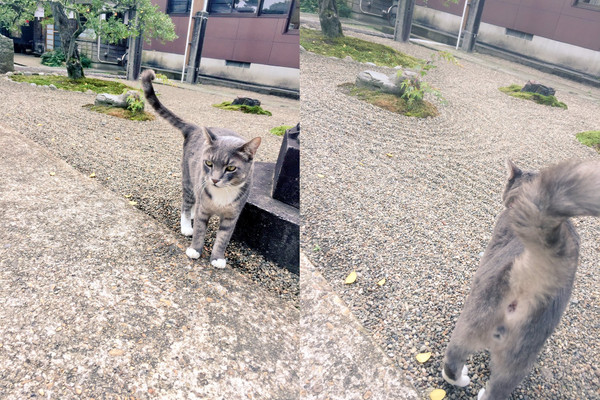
{"type": "Point", "coordinates": [226, 105]}
{"type": "Point", "coordinates": [78, 85]}
{"type": "Point", "coordinates": [121, 112]}
{"type": "Point", "coordinates": [590, 138]}
{"type": "Point", "coordinates": [280, 130]}
{"type": "Point", "coordinates": [390, 102]}
{"type": "Point", "coordinates": [515, 91]}
{"type": "Point", "coordinates": [359, 50]}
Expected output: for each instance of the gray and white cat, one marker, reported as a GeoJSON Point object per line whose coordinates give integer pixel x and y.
{"type": "Point", "coordinates": [524, 280]}
{"type": "Point", "coordinates": [217, 168]}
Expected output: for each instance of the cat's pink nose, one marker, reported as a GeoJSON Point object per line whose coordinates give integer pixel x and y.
{"type": "Point", "coordinates": [214, 181]}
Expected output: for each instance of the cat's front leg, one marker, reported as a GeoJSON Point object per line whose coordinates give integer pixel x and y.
{"type": "Point", "coordinates": [226, 227]}
{"type": "Point", "coordinates": [200, 223]}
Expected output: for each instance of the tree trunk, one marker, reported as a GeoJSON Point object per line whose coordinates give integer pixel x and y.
{"type": "Point", "coordinates": [330, 22]}
{"type": "Point", "coordinates": [69, 31]}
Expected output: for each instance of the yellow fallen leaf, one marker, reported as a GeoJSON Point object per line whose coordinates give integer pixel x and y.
{"type": "Point", "coordinates": [116, 352]}
{"type": "Point", "coordinates": [127, 196]}
{"type": "Point", "coordinates": [381, 282]}
{"type": "Point", "coordinates": [133, 203]}
{"type": "Point", "coordinates": [423, 357]}
{"type": "Point", "coordinates": [389, 154]}
{"type": "Point", "coordinates": [350, 278]}
{"type": "Point", "coordinates": [437, 394]}
{"type": "Point", "coordinates": [321, 175]}
{"type": "Point", "coordinates": [93, 175]}
{"type": "Point", "coordinates": [52, 173]}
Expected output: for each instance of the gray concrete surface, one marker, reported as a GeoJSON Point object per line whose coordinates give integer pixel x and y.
{"type": "Point", "coordinates": [338, 357]}
{"type": "Point", "coordinates": [99, 301]}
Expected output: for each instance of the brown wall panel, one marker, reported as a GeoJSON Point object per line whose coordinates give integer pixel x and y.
{"type": "Point", "coordinates": [221, 49]}
{"type": "Point", "coordinates": [537, 21]}
{"type": "Point", "coordinates": [285, 55]}
{"type": "Point", "coordinates": [558, 20]}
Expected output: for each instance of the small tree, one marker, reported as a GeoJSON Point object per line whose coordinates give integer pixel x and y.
{"type": "Point", "coordinates": [329, 19]}
{"type": "Point", "coordinates": [72, 17]}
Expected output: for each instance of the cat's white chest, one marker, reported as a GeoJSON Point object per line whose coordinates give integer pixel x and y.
{"type": "Point", "coordinates": [223, 196]}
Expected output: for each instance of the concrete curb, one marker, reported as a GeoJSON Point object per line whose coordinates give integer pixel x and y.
{"type": "Point", "coordinates": [339, 359]}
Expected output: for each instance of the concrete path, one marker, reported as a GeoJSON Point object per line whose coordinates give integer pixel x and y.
{"type": "Point", "coordinates": [338, 357]}
{"type": "Point", "coordinates": [99, 301]}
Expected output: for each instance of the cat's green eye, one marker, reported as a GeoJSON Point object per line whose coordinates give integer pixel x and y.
{"type": "Point", "coordinates": [230, 168]}
{"type": "Point", "coordinates": [208, 163]}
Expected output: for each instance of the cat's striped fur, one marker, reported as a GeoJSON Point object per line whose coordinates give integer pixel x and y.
{"type": "Point", "coordinates": [217, 168]}
{"type": "Point", "coordinates": [524, 280]}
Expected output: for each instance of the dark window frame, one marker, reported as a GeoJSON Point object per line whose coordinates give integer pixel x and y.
{"type": "Point", "coordinates": [255, 14]}
{"type": "Point", "coordinates": [170, 6]}
{"type": "Point", "coordinates": [587, 6]}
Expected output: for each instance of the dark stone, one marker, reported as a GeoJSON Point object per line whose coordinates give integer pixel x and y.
{"type": "Point", "coordinates": [7, 55]}
{"type": "Point", "coordinates": [536, 87]}
{"type": "Point", "coordinates": [268, 225]}
{"type": "Point", "coordinates": [286, 180]}
{"type": "Point", "coordinates": [245, 101]}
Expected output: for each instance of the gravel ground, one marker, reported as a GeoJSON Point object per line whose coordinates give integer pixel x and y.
{"type": "Point", "coordinates": [141, 160]}
{"type": "Point", "coordinates": [421, 218]}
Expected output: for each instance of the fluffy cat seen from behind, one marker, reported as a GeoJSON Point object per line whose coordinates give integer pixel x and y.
{"type": "Point", "coordinates": [524, 280]}
{"type": "Point", "coordinates": [217, 168]}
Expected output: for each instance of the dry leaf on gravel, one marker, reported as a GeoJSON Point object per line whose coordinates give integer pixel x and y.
{"type": "Point", "coordinates": [350, 278]}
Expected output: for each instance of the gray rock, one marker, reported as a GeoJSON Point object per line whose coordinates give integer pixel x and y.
{"type": "Point", "coordinates": [9, 73]}
{"type": "Point", "coordinates": [371, 64]}
{"type": "Point", "coordinates": [536, 87]}
{"type": "Point", "coordinates": [114, 100]}
{"type": "Point", "coordinates": [348, 58]}
{"type": "Point", "coordinates": [377, 80]}
{"type": "Point", "coordinates": [7, 55]}
{"type": "Point", "coordinates": [89, 91]}
{"type": "Point", "coordinates": [52, 86]}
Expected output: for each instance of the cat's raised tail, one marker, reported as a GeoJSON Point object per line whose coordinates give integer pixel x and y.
{"type": "Point", "coordinates": [147, 78]}
{"type": "Point", "coordinates": [565, 190]}
{"type": "Point", "coordinates": [538, 212]}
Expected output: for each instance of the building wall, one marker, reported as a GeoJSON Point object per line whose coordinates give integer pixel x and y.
{"type": "Point", "coordinates": [552, 31]}
{"type": "Point", "coordinates": [557, 20]}
{"type": "Point", "coordinates": [252, 40]}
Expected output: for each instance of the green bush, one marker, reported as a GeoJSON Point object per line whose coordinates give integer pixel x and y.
{"type": "Point", "coordinates": [56, 58]}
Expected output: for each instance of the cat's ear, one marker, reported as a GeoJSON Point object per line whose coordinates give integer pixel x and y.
{"type": "Point", "coordinates": [249, 148]}
{"type": "Point", "coordinates": [210, 137]}
{"type": "Point", "coordinates": [512, 170]}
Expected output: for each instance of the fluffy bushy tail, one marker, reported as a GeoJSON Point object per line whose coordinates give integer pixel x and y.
{"type": "Point", "coordinates": [147, 78]}
{"type": "Point", "coordinates": [562, 191]}
{"type": "Point", "coordinates": [538, 214]}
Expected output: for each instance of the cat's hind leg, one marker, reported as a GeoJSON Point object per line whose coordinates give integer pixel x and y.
{"type": "Point", "coordinates": [462, 345]}
{"type": "Point", "coordinates": [187, 212]}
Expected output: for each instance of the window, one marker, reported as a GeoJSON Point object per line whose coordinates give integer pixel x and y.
{"type": "Point", "coordinates": [590, 4]}
{"type": "Point", "coordinates": [233, 6]}
{"type": "Point", "coordinates": [179, 6]}
{"type": "Point", "coordinates": [273, 7]}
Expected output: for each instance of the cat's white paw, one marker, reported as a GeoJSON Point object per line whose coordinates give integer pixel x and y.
{"type": "Point", "coordinates": [219, 263]}
{"type": "Point", "coordinates": [191, 253]}
{"type": "Point", "coordinates": [187, 230]}
{"type": "Point", "coordinates": [462, 381]}
{"type": "Point", "coordinates": [480, 394]}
